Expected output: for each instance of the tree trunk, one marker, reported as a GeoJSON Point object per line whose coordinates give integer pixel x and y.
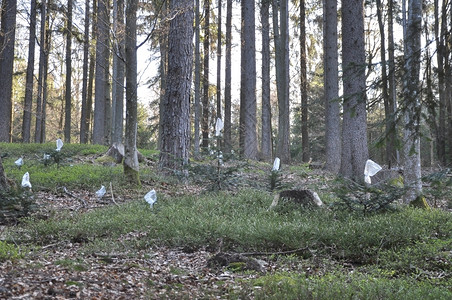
{"type": "Point", "coordinates": [248, 145]}
{"type": "Point", "coordinates": [100, 96]}
{"type": "Point", "coordinates": [68, 95]}
{"type": "Point", "coordinates": [175, 119]}
{"type": "Point", "coordinates": [303, 85]}
{"type": "Point", "coordinates": [131, 166]}
{"type": "Point", "coordinates": [7, 38]}
{"type": "Point", "coordinates": [412, 102]}
{"type": "Point", "coordinates": [219, 115]}
{"type": "Point", "coordinates": [163, 46]}
{"type": "Point", "coordinates": [86, 110]}
{"type": "Point", "coordinates": [42, 55]}
{"type": "Point", "coordinates": [390, 126]}
{"type": "Point", "coordinates": [205, 78]}
{"type": "Point", "coordinates": [280, 31]}
{"type": "Point", "coordinates": [354, 129]}
{"type": "Point", "coordinates": [118, 76]}
{"type": "Point", "coordinates": [392, 89]}
{"type": "Point", "coordinates": [266, 139]}
{"type": "Point", "coordinates": [332, 107]}
{"type": "Point", "coordinates": [227, 80]}
{"type": "Point", "coordinates": [28, 101]}
{"type": "Point", "coordinates": [197, 82]}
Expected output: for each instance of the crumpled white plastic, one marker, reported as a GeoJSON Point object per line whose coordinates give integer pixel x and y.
{"type": "Point", "coordinates": [26, 181]}
{"type": "Point", "coordinates": [151, 197]}
{"type": "Point", "coordinates": [59, 145]}
{"type": "Point", "coordinates": [101, 192]}
{"type": "Point", "coordinates": [46, 156]}
{"type": "Point", "coordinates": [19, 162]}
{"type": "Point", "coordinates": [370, 169]}
{"type": "Point", "coordinates": [219, 127]}
{"type": "Point", "coordinates": [276, 164]}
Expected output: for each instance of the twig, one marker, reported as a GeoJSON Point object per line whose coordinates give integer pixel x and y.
{"type": "Point", "coordinates": [72, 195]}
{"type": "Point", "coordinates": [112, 197]}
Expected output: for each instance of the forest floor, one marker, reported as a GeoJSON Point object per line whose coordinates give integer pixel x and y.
{"type": "Point", "coordinates": [66, 269]}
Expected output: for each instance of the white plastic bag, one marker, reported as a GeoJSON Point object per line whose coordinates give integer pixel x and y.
{"type": "Point", "coordinates": [59, 144]}
{"type": "Point", "coordinates": [19, 162]}
{"type": "Point", "coordinates": [101, 192]}
{"type": "Point", "coordinates": [370, 169]}
{"type": "Point", "coordinates": [219, 127]}
{"type": "Point", "coordinates": [276, 164]}
{"type": "Point", "coordinates": [26, 181]}
{"type": "Point", "coordinates": [151, 197]}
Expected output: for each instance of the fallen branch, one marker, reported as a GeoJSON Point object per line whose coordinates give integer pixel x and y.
{"type": "Point", "coordinates": [72, 195]}
{"type": "Point", "coordinates": [276, 253]}
{"type": "Point", "coordinates": [112, 197]}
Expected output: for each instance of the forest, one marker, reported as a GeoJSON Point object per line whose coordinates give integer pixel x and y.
{"type": "Point", "coordinates": [200, 149]}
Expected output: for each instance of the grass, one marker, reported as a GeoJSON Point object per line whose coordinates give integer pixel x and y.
{"type": "Point", "coordinates": [402, 254]}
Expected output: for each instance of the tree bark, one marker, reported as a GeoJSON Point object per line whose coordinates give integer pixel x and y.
{"type": "Point", "coordinates": [86, 108]}
{"type": "Point", "coordinates": [332, 106]}
{"type": "Point", "coordinates": [412, 102]}
{"type": "Point", "coordinates": [175, 119]}
{"type": "Point", "coordinates": [42, 54]}
{"type": "Point", "coordinates": [68, 94]}
{"type": "Point", "coordinates": [280, 32]}
{"type": "Point", "coordinates": [248, 145]}
{"type": "Point", "coordinates": [197, 80]}
{"type": "Point", "coordinates": [118, 75]}
{"type": "Point", "coordinates": [131, 166]}
{"type": "Point", "coordinates": [28, 101]}
{"type": "Point", "coordinates": [7, 38]}
{"type": "Point", "coordinates": [354, 129]}
{"type": "Point", "coordinates": [100, 96]}
{"type": "Point", "coordinates": [205, 78]}
{"type": "Point", "coordinates": [303, 86]}
{"type": "Point", "coordinates": [266, 134]}
{"type": "Point", "coordinates": [227, 80]}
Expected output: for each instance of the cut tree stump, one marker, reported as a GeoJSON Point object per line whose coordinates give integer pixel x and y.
{"type": "Point", "coordinates": [305, 198]}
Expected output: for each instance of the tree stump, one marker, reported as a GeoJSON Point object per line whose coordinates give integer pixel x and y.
{"type": "Point", "coordinates": [304, 198]}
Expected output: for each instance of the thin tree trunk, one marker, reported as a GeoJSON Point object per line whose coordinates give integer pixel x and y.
{"type": "Point", "coordinates": [219, 61]}
{"type": "Point", "coordinates": [48, 37]}
{"type": "Point", "coordinates": [227, 79]}
{"type": "Point", "coordinates": [248, 106]}
{"type": "Point", "coordinates": [101, 73]}
{"type": "Point", "coordinates": [84, 122]}
{"type": "Point", "coordinates": [68, 94]}
{"type": "Point", "coordinates": [118, 77]}
{"type": "Point", "coordinates": [205, 78]}
{"type": "Point", "coordinates": [42, 49]}
{"type": "Point", "coordinates": [280, 31]}
{"type": "Point", "coordinates": [392, 87]}
{"type": "Point", "coordinates": [197, 82]}
{"type": "Point", "coordinates": [266, 138]}
{"type": "Point", "coordinates": [303, 86]}
{"type": "Point", "coordinates": [332, 106]}
{"type": "Point", "coordinates": [28, 101]}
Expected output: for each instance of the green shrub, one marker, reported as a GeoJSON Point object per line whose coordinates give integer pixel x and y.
{"type": "Point", "coordinates": [9, 252]}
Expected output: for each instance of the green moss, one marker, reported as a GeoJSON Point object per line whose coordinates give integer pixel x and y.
{"type": "Point", "coordinates": [420, 202]}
